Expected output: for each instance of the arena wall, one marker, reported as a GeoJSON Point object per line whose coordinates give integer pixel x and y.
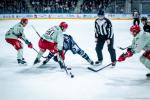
{"type": "Point", "coordinates": [67, 16]}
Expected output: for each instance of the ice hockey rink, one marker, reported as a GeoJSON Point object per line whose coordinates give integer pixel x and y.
{"type": "Point", "coordinates": [126, 81]}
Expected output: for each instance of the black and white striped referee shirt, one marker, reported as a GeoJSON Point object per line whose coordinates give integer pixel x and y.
{"type": "Point", "coordinates": [103, 28]}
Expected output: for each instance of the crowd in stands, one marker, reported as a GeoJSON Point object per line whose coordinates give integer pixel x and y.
{"type": "Point", "coordinates": [37, 6]}
{"type": "Point", "coordinates": [13, 6]}
{"type": "Point", "coordinates": [50, 6]}
{"type": "Point", "coordinates": [89, 6]}
{"type": "Point", "coordinates": [53, 6]}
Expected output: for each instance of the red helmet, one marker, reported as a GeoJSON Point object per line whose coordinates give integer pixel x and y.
{"type": "Point", "coordinates": [135, 28]}
{"type": "Point", "coordinates": [24, 20]}
{"type": "Point", "coordinates": [64, 25]}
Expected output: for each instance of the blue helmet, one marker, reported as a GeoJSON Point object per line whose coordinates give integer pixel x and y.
{"type": "Point", "coordinates": [100, 13]}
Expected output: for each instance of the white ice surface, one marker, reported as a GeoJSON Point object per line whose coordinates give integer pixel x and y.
{"type": "Point", "coordinates": [126, 81]}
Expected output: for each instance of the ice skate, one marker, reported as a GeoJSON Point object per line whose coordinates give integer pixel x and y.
{"type": "Point", "coordinates": [36, 61]}
{"type": "Point", "coordinates": [21, 62]}
{"type": "Point", "coordinates": [148, 76]}
{"type": "Point", "coordinates": [98, 63]}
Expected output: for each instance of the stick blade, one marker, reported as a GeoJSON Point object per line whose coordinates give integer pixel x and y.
{"type": "Point", "coordinates": [92, 69]}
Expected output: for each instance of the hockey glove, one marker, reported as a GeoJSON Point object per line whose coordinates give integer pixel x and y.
{"type": "Point", "coordinates": [20, 36]}
{"type": "Point", "coordinates": [129, 52]}
{"type": "Point", "coordinates": [30, 45]}
{"type": "Point", "coordinates": [147, 54]}
{"type": "Point", "coordinates": [122, 57]}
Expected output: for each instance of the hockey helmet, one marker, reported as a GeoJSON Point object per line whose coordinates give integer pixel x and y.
{"type": "Point", "coordinates": [24, 20]}
{"type": "Point", "coordinates": [63, 25]}
{"type": "Point", "coordinates": [135, 28]}
{"type": "Point", "coordinates": [144, 19]}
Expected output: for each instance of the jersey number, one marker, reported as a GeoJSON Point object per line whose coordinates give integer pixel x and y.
{"type": "Point", "coordinates": [50, 32]}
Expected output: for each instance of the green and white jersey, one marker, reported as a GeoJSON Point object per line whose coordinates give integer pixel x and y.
{"type": "Point", "coordinates": [15, 32]}
{"type": "Point", "coordinates": [54, 34]}
{"type": "Point", "coordinates": [141, 42]}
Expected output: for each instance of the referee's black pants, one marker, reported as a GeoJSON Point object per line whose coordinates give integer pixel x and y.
{"type": "Point", "coordinates": [99, 48]}
{"type": "Point", "coordinates": [136, 21]}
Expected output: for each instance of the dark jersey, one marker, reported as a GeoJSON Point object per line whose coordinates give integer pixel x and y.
{"type": "Point", "coordinates": [103, 28]}
{"type": "Point", "coordinates": [70, 44]}
{"type": "Point", "coordinates": [67, 42]}
{"type": "Point", "coordinates": [146, 27]}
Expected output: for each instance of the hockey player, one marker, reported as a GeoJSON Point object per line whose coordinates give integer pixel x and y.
{"type": "Point", "coordinates": [103, 33]}
{"type": "Point", "coordinates": [141, 41]}
{"type": "Point", "coordinates": [70, 44]}
{"type": "Point", "coordinates": [146, 24]}
{"type": "Point", "coordinates": [14, 34]}
{"type": "Point", "coordinates": [136, 17]}
{"type": "Point", "coordinates": [53, 41]}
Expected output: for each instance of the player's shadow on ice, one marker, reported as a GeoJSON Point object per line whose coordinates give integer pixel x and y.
{"type": "Point", "coordinates": [128, 82]}
{"type": "Point", "coordinates": [39, 69]}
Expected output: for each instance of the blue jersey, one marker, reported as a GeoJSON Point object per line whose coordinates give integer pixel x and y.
{"type": "Point", "coordinates": [70, 44]}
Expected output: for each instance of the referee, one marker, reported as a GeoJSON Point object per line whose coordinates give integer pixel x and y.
{"type": "Point", "coordinates": [103, 33]}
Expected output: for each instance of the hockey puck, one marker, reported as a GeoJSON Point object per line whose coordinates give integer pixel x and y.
{"type": "Point", "coordinates": [72, 76]}
{"type": "Point", "coordinates": [68, 68]}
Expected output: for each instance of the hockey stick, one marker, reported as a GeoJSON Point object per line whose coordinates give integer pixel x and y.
{"type": "Point", "coordinates": [65, 67]}
{"type": "Point", "coordinates": [39, 36]}
{"type": "Point", "coordinates": [68, 73]}
{"type": "Point", "coordinates": [38, 52]}
{"type": "Point", "coordinates": [35, 31]}
{"type": "Point", "coordinates": [34, 49]}
{"type": "Point", "coordinates": [94, 70]}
